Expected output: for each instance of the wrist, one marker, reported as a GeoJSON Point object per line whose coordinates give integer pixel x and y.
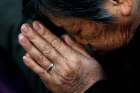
{"type": "Point", "coordinates": [99, 87]}
{"type": "Point", "coordinates": [92, 84]}
{"type": "Point", "coordinates": [91, 81]}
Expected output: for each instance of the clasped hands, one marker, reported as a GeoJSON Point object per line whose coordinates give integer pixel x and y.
{"type": "Point", "coordinates": [61, 63]}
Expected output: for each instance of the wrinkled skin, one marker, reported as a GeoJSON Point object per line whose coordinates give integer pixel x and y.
{"type": "Point", "coordinates": [74, 70]}
{"type": "Point", "coordinates": [103, 37]}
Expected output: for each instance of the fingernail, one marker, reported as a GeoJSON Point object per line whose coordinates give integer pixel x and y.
{"type": "Point", "coordinates": [27, 55]}
{"type": "Point", "coordinates": [25, 59]}
{"type": "Point", "coordinates": [36, 26]}
{"type": "Point", "coordinates": [68, 39]}
{"type": "Point", "coordinates": [24, 28]}
{"type": "Point", "coordinates": [22, 39]}
{"type": "Point", "coordinates": [25, 44]}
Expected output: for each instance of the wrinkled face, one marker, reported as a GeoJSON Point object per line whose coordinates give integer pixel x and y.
{"type": "Point", "coordinates": [83, 31]}
{"type": "Point", "coordinates": [102, 36]}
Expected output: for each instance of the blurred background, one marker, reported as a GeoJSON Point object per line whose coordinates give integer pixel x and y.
{"type": "Point", "coordinates": [11, 79]}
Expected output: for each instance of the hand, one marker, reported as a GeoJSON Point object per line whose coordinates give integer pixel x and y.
{"type": "Point", "coordinates": [63, 65]}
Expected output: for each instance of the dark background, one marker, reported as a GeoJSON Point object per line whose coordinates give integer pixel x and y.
{"type": "Point", "coordinates": [11, 78]}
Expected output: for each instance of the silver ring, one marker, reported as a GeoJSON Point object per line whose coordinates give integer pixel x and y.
{"type": "Point", "coordinates": [50, 67]}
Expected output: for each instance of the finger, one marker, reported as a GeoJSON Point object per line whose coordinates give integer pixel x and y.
{"type": "Point", "coordinates": [74, 45]}
{"type": "Point", "coordinates": [30, 63]}
{"type": "Point", "coordinates": [56, 42]}
{"type": "Point", "coordinates": [34, 53]}
{"type": "Point", "coordinates": [44, 47]}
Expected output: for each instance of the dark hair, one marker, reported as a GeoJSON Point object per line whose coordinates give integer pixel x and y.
{"type": "Point", "coordinates": [88, 9]}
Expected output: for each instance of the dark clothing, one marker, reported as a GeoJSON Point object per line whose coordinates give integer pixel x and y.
{"type": "Point", "coordinates": [120, 66]}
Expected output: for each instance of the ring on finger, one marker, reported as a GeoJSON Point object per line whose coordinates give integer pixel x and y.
{"type": "Point", "coordinates": [50, 67]}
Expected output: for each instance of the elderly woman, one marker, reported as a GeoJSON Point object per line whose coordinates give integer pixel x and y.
{"type": "Point", "coordinates": [93, 56]}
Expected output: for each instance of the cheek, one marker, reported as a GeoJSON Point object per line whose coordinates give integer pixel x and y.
{"type": "Point", "coordinates": [72, 27]}
{"type": "Point", "coordinates": [90, 31]}
{"type": "Point", "coordinates": [105, 41]}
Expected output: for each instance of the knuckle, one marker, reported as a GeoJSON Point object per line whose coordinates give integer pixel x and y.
{"type": "Point", "coordinates": [41, 72]}
{"type": "Point", "coordinates": [45, 62]}
{"type": "Point", "coordinates": [39, 58]}
{"type": "Point", "coordinates": [69, 76]}
{"type": "Point", "coordinates": [32, 37]}
{"type": "Point", "coordinates": [28, 47]}
{"type": "Point", "coordinates": [68, 73]}
{"type": "Point", "coordinates": [57, 43]}
{"type": "Point", "coordinates": [46, 49]}
{"type": "Point", "coordinates": [46, 52]}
